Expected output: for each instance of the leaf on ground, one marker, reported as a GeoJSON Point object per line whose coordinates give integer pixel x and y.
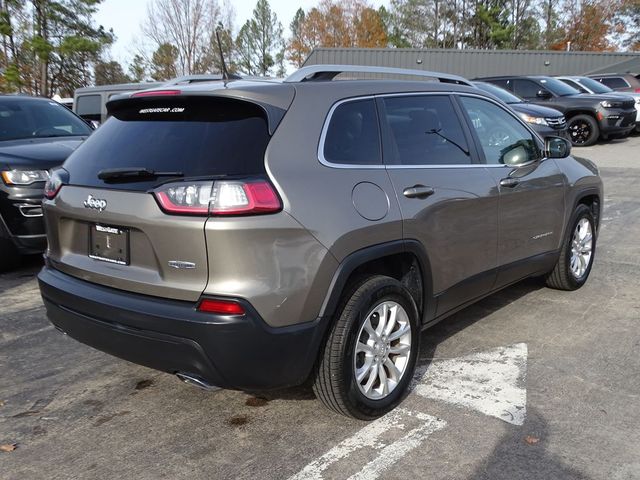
{"type": "Point", "coordinates": [531, 440]}
{"type": "Point", "coordinates": [1, 403]}
{"type": "Point", "coordinates": [9, 447]}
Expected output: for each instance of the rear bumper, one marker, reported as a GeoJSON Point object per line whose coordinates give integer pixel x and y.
{"type": "Point", "coordinates": [171, 336]}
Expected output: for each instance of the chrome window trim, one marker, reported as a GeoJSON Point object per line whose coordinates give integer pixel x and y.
{"type": "Point", "coordinates": [327, 120]}
{"type": "Point", "coordinates": [323, 136]}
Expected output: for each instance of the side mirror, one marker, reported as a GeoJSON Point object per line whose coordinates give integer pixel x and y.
{"type": "Point", "coordinates": [516, 156]}
{"type": "Point", "coordinates": [545, 94]}
{"type": "Point", "coordinates": [556, 147]}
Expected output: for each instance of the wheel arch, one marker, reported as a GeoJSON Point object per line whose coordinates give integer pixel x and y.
{"type": "Point", "coordinates": [590, 198]}
{"type": "Point", "coordinates": [405, 260]}
{"type": "Point", "coordinates": [569, 114]}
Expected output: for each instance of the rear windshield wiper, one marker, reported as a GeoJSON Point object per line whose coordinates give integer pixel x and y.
{"type": "Point", "coordinates": [134, 172]}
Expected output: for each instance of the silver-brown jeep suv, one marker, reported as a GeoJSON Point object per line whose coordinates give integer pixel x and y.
{"type": "Point", "coordinates": [255, 234]}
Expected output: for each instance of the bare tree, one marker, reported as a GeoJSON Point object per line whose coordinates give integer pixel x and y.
{"type": "Point", "coordinates": [187, 25]}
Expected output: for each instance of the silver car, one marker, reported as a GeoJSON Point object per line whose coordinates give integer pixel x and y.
{"type": "Point", "coordinates": [255, 234]}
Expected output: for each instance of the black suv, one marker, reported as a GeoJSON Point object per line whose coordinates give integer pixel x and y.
{"type": "Point", "coordinates": [36, 134]}
{"type": "Point", "coordinates": [544, 120]}
{"type": "Point", "coordinates": [589, 117]}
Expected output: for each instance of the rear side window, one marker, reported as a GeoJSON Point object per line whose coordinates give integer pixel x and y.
{"type": "Point", "coordinates": [197, 136]}
{"type": "Point", "coordinates": [575, 85]}
{"type": "Point", "coordinates": [615, 82]}
{"type": "Point", "coordinates": [425, 130]}
{"type": "Point", "coordinates": [353, 135]}
{"type": "Point", "coordinates": [89, 107]}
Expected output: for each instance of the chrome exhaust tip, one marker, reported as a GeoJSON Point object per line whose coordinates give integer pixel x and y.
{"type": "Point", "coordinates": [196, 381]}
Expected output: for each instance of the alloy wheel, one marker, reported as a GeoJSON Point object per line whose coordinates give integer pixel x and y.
{"type": "Point", "coordinates": [382, 350]}
{"type": "Point", "coordinates": [581, 248]}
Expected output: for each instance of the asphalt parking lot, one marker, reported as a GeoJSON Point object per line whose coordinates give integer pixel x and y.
{"type": "Point", "coordinates": [530, 383]}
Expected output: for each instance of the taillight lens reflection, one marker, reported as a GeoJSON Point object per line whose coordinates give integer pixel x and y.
{"type": "Point", "coordinates": [188, 198]}
{"type": "Point", "coordinates": [223, 197]}
{"type": "Point", "coordinates": [53, 185]}
{"type": "Point", "coordinates": [221, 307]}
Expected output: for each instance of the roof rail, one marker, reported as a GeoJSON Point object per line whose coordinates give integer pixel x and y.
{"type": "Point", "coordinates": [206, 77]}
{"type": "Point", "coordinates": [329, 72]}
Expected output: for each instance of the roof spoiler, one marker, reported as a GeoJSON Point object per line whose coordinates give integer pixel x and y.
{"type": "Point", "coordinates": [316, 73]}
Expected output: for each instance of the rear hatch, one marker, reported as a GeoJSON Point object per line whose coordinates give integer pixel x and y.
{"type": "Point", "coordinates": [135, 196]}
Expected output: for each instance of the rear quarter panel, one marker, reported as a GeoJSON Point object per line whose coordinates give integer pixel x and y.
{"type": "Point", "coordinates": [320, 197]}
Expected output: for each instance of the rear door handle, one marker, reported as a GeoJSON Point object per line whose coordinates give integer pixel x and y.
{"type": "Point", "coordinates": [418, 191]}
{"type": "Point", "coordinates": [509, 182]}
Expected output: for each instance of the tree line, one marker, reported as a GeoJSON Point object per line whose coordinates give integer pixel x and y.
{"type": "Point", "coordinates": [54, 46]}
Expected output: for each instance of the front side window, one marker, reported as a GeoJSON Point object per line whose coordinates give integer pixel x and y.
{"type": "Point", "coordinates": [353, 136]}
{"type": "Point", "coordinates": [424, 130]}
{"type": "Point", "coordinates": [526, 89]}
{"type": "Point", "coordinates": [503, 139]}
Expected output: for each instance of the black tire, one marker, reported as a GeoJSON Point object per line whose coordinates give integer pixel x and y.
{"type": "Point", "coordinates": [334, 381]}
{"type": "Point", "coordinates": [583, 130]}
{"type": "Point", "coordinates": [561, 277]}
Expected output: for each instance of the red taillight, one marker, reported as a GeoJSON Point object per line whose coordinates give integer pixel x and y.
{"type": "Point", "coordinates": [157, 93]}
{"type": "Point", "coordinates": [221, 307]}
{"type": "Point", "coordinates": [637, 90]}
{"type": "Point", "coordinates": [53, 185]}
{"type": "Point", "coordinates": [222, 197]}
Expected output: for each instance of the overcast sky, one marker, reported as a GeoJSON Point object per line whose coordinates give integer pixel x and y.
{"type": "Point", "coordinates": [125, 17]}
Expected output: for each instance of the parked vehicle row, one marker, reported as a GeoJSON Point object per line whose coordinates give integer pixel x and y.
{"type": "Point", "coordinates": [177, 244]}
{"type": "Point", "coordinates": [590, 85]}
{"type": "Point", "coordinates": [589, 117]}
{"type": "Point", "coordinates": [36, 134]}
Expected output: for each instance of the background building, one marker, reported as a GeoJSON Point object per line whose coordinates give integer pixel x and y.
{"type": "Point", "coordinates": [481, 63]}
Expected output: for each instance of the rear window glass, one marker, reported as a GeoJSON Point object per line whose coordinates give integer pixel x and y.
{"type": "Point", "coordinates": [615, 82]}
{"type": "Point", "coordinates": [193, 135]}
{"type": "Point", "coordinates": [89, 107]}
{"type": "Point", "coordinates": [353, 136]}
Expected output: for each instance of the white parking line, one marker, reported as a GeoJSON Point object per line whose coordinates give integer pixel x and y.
{"type": "Point", "coordinates": [369, 436]}
{"type": "Point", "coordinates": [491, 382]}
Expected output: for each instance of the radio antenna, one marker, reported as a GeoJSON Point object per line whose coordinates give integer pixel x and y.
{"type": "Point", "coordinates": [225, 72]}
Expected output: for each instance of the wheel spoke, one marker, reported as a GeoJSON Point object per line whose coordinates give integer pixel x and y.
{"type": "Point", "coordinates": [400, 349]}
{"type": "Point", "coordinates": [363, 347]}
{"type": "Point", "coordinates": [392, 320]}
{"type": "Point", "coordinates": [382, 323]}
{"type": "Point", "coordinates": [393, 370]}
{"type": "Point", "coordinates": [369, 329]}
{"type": "Point", "coordinates": [384, 384]}
{"type": "Point", "coordinates": [373, 374]}
{"type": "Point", "coordinates": [362, 372]}
{"type": "Point", "coordinates": [403, 330]}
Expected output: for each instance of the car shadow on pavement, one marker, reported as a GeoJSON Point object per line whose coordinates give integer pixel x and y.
{"type": "Point", "coordinates": [450, 326]}
{"type": "Point", "coordinates": [431, 338]}
{"type": "Point", "coordinates": [523, 453]}
{"type": "Point", "coordinates": [29, 267]}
